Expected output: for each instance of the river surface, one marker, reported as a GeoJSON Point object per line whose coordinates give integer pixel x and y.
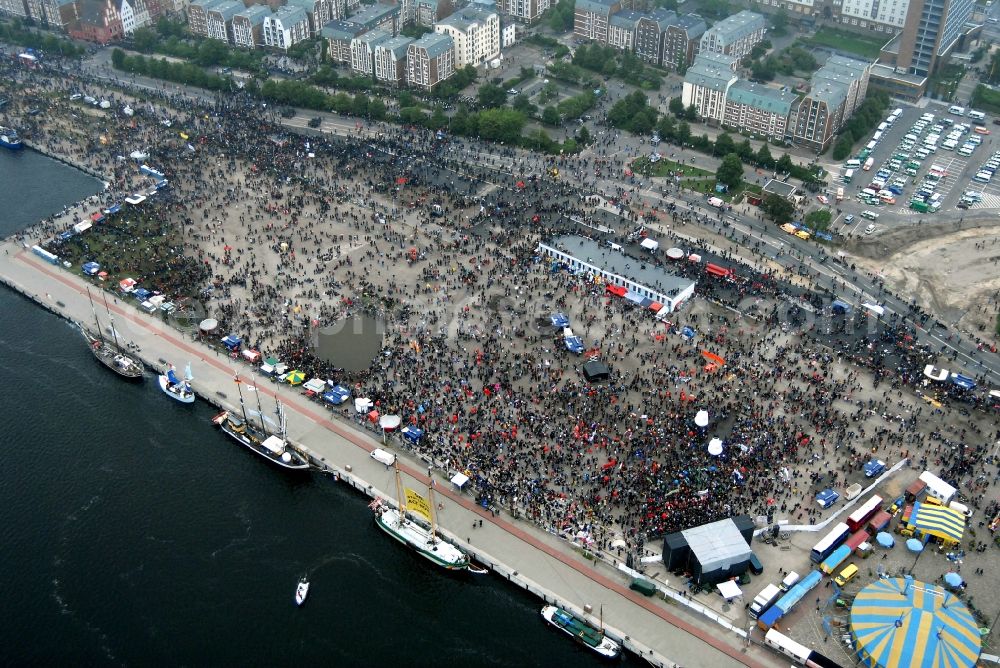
{"type": "Point", "coordinates": [133, 533]}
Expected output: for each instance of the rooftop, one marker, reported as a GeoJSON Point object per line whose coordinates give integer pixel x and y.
{"type": "Point", "coordinates": [290, 15]}
{"type": "Point", "coordinates": [374, 37]}
{"type": "Point", "coordinates": [465, 18]}
{"type": "Point", "coordinates": [626, 18]}
{"type": "Point", "coordinates": [397, 45]}
{"type": "Point", "coordinates": [693, 24]}
{"type": "Point", "coordinates": [779, 188]}
{"type": "Point", "coordinates": [711, 71]}
{"type": "Point", "coordinates": [597, 6]}
{"type": "Point", "coordinates": [737, 26]}
{"type": "Point", "coordinates": [371, 15]}
{"type": "Point", "coordinates": [228, 8]}
{"type": "Point", "coordinates": [341, 30]}
{"type": "Point", "coordinates": [640, 270]}
{"type": "Point", "coordinates": [717, 544]}
{"type": "Point", "coordinates": [771, 100]}
{"type": "Point", "coordinates": [255, 13]}
{"type": "Point", "coordinates": [434, 43]}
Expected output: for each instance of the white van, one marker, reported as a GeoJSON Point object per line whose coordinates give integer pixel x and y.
{"type": "Point", "coordinates": [790, 581]}
{"type": "Point", "coordinates": [962, 508]}
{"type": "Point", "coordinates": [380, 455]}
{"type": "Point", "coordinates": [976, 115]}
{"type": "Point", "coordinates": [958, 111]}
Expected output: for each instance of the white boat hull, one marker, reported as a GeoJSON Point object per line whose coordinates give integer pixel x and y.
{"type": "Point", "coordinates": [413, 535]}
{"type": "Point", "coordinates": [174, 393]}
{"type": "Point", "coordinates": [301, 592]}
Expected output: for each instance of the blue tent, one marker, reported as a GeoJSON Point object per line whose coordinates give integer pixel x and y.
{"type": "Point", "coordinates": [827, 498]}
{"type": "Point", "coordinates": [559, 320]}
{"type": "Point", "coordinates": [963, 382]}
{"type": "Point", "coordinates": [412, 434]}
{"type": "Point", "coordinates": [839, 306]}
{"type": "Point", "coordinates": [91, 268]}
{"type": "Point", "coordinates": [574, 344]}
{"type": "Point", "coordinates": [114, 208]}
{"type": "Point", "coordinates": [687, 332]}
{"type": "Point", "coordinates": [232, 342]}
{"type": "Point", "coordinates": [68, 234]}
{"type": "Point", "coordinates": [338, 395]}
{"type": "Point", "coordinates": [142, 294]}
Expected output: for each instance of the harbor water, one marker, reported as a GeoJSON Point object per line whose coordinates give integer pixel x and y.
{"type": "Point", "coordinates": [134, 533]}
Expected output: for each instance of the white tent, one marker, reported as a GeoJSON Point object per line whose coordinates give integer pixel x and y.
{"type": "Point", "coordinates": [701, 418]}
{"type": "Point", "coordinates": [363, 405]}
{"type": "Point", "coordinates": [729, 590]}
{"type": "Point", "coordinates": [874, 308]}
{"type": "Point", "coordinates": [649, 244]}
{"type": "Point", "coordinates": [459, 480]}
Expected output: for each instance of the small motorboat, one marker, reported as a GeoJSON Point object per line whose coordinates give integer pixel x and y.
{"type": "Point", "coordinates": [301, 591]}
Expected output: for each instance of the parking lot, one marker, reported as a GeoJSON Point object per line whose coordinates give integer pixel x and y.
{"type": "Point", "coordinates": [920, 182]}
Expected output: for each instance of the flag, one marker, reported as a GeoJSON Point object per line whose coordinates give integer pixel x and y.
{"type": "Point", "coordinates": [417, 504]}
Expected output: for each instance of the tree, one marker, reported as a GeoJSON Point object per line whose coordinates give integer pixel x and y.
{"type": "Point", "coordinates": [724, 145]}
{"type": "Point", "coordinates": [683, 133]}
{"type": "Point", "coordinates": [438, 119]}
{"type": "Point", "coordinates": [691, 113]}
{"type": "Point", "coordinates": [730, 171]}
{"type": "Point", "coordinates": [550, 116]}
{"type": "Point", "coordinates": [784, 164]}
{"type": "Point", "coordinates": [524, 104]}
{"type": "Point", "coordinates": [145, 40]}
{"type": "Point", "coordinates": [777, 208]}
{"type": "Point", "coordinates": [491, 96]}
{"type": "Point", "coordinates": [842, 148]}
{"type": "Point", "coordinates": [676, 107]}
{"type": "Point", "coordinates": [745, 151]}
{"type": "Point", "coordinates": [583, 136]}
{"type": "Point", "coordinates": [376, 109]}
{"type": "Point", "coordinates": [118, 59]}
{"type": "Point", "coordinates": [779, 23]}
{"type": "Point", "coordinates": [665, 127]}
{"type": "Point", "coordinates": [763, 156]}
{"type": "Point", "coordinates": [819, 219]}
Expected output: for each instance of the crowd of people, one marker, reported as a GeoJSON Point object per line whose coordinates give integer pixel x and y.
{"type": "Point", "coordinates": [279, 235]}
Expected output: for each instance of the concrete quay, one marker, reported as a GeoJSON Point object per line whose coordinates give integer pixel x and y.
{"type": "Point", "coordinates": [657, 629]}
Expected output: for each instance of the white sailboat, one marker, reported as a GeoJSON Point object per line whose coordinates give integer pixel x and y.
{"type": "Point", "coordinates": [175, 388]}
{"type": "Point", "coordinates": [423, 539]}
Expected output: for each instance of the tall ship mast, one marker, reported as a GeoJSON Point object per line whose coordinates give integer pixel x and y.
{"type": "Point", "coordinates": [111, 356]}
{"type": "Point", "coordinates": [424, 540]}
{"type": "Point", "coordinates": [271, 446]}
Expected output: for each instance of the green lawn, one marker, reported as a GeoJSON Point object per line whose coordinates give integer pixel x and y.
{"type": "Point", "coordinates": [866, 47]}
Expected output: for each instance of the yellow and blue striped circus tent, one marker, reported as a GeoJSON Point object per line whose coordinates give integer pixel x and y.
{"type": "Point", "coordinates": [905, 623]}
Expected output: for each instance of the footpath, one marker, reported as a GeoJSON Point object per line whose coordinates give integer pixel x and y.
{"type": "Point", "coordinates": [661, 631]}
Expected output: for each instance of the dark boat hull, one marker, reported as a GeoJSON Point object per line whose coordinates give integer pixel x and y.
{"type": "Point", "coordinates": [298, 462]}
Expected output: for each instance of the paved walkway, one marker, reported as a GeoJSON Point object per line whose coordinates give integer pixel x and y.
{"type": "Point", "coordinates": [527, 552]}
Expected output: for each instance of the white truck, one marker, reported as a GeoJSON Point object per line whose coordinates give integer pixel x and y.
{"type": "Point", "coordinates": [764, 600]}
{"type": "Point", "coordinates": [716, 202]}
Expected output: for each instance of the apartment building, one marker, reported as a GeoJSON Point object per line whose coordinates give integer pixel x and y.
{"type": "Point", "coordinates": [527, 11]}
{"type": "Point", "coordinates": [650, 34]}
{"type": "Point", "coordinates": [735, 35]}
{"type": "Point", "coordinates": [338, 36]}
{"type": "Point", "coordinates": [390, 60]}
{"type": "Point", "coordinates": [758, 109]}
{"type": "Point", "coordinates": [248, 26]}
{"type": "Point", "coordinates": [682, 41]}
{"type": "Point", "coordinates": [286, 27]}
{"type": "Point", "coordinates": [219, 17]}
{"type": "Point", "coordinates": [197, 16]}
{"type": "Point", "coordinates": [707, 83]}
{"type": "Point", "coordinates": [430, 60]}
{"type": "Point", "coordinates": [475, 34]}
{"type": "Point", "coordinates": [363, 51]}
{"type": "Point", "coordinates": [592, 18]}
{"type": "Point", "coordinates": [837, 89]}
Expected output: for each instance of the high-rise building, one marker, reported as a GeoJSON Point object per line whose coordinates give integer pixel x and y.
{"type": "Point", "coordinates": [931, 30]}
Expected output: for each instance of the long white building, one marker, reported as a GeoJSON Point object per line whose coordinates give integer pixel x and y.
{"type": "Point", "coordinates": [476, 33]}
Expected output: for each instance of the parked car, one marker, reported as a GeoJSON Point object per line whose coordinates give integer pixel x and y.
{"type": "Point", "coordinates": [315, 122]}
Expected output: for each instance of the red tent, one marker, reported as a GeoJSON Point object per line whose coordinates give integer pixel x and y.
{"type": "Point", "coordinates": [716, 270]}
{"type": "Point", "coordinates": [616, 290]}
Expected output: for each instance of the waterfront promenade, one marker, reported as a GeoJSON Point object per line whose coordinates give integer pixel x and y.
{"type": "Point", "coordinates": [527, 555]}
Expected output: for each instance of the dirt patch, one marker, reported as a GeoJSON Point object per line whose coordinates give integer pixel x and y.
{"type": "Point", "coordinates": [954, 274]}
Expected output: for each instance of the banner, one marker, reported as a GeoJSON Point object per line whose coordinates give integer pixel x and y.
{"type": "Point", "coordinates": [417, 504]}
